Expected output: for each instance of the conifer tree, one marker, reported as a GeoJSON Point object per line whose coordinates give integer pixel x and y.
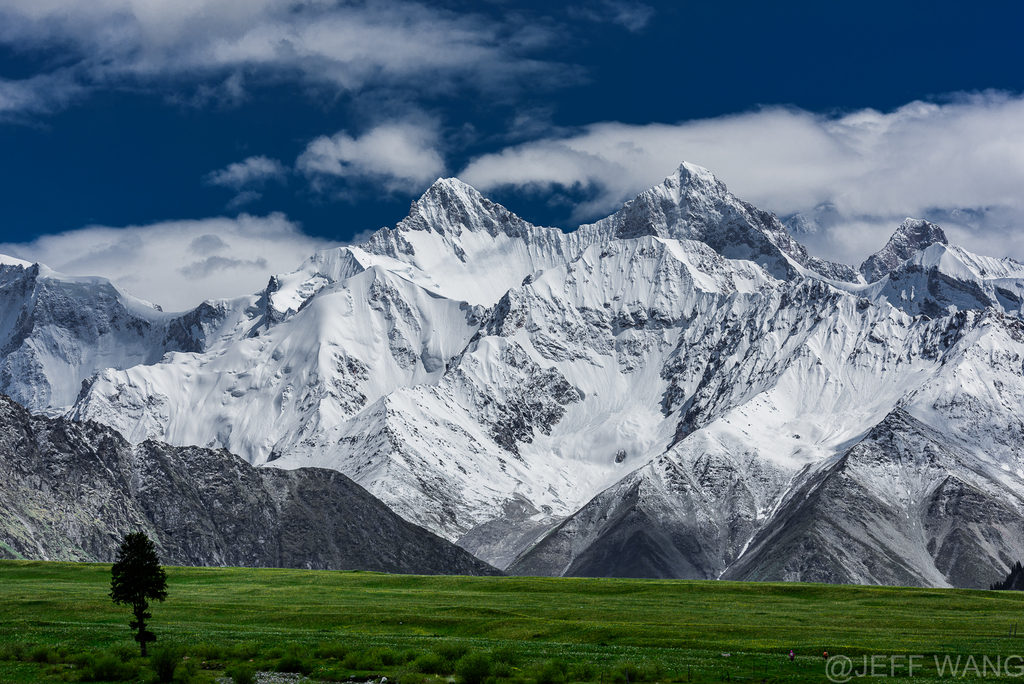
{"type": "Point", "coordinates": [135, 579]}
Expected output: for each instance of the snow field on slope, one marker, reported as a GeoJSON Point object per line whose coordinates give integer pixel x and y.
{"type": "Point", "coordinates": [981, 385]}
{"type": "Point", "coordinates": [312, 370]}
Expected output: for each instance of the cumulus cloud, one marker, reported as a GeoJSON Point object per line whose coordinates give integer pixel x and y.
{"type": "Point", "coordinates": [178, 264]}
{"type": "Point", "coordinates": [399, 157]}
{"type": "Point", "coordinates": [959, 160]}
{"type": "Point", "coordinates": [397, 43]}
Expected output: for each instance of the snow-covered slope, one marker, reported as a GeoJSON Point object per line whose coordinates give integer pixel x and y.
{"type": "Point", "coordinates": [357, 341]}
{"type": "Point", "coordinates": [57, 330]}
{"type": "Point", "coordinates": [943, 279]}
{"type": "Point", "coordinates": [906, 505]}
{"type": "Point", "coordinates": [764, 491]}
{"type": "Point", "coordinates": [454, 243]}
{"type": "Point", "coordinates": [651, 394]}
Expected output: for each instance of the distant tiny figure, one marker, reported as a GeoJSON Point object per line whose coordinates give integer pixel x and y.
{"type": "Point", "coordinates": [791, 655]}
{"type": "Point", "coordinates": [825, 655]}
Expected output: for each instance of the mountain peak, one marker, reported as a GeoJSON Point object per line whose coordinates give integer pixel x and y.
{"type": "Point", "coordinates": [698, 178]}
{"type": "Point", "coordinates": [693, 204]}
{"type": "Point", "coordinates": [911, 237]}
{"type": "Point", "coordinates": [449, 207]}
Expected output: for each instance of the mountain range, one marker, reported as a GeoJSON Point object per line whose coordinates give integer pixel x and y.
{"type": "Point", "coordinates": [678, 390]}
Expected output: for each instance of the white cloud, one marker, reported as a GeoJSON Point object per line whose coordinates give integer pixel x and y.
{"type": "Point", "coordinates": [393, 43]}
{"type": "Point", "coordinates": [243, 198]}
{"type": "Point", "coordinates": [178, 264]}
{"type": "Point", "coordinates": [39, 94]}
{"type": "Point", "coordinates": [254, 171]}
{"type": "Point", "coordinates": [876, 168]}
{"type": "Point", "coordinates": [398, 156]}
{"type": "Point", "coordinates": [244, 176]}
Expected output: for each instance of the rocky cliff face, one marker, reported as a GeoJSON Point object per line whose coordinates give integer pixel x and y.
{"type": "Point", "coordinates": [71, 491]}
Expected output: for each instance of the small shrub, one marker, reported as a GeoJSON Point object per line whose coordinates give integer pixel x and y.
{"type": "Point", "coordinates": [583, 672]}
{"type": "Point", "coordinates": [473, 668]}
{"type": "Point", "coordinates": [108, 668]}
{"type": "Point", "coordinates": [412, 678]}
{"type": "Point", "coordinates": [186, 671]}
{"type": "Point", "coordinates": [208, 651]}
{"type": "Point", "coordinates": [452, 652]}
{"type": "Point", "coordinates": [431, 663]}
{"type": "Point", "coordinates": [12, 651]}
{"type": "Point", "coordinates": [43, 654]}
{"type": "Point", "coordinates": [243, 651]}
{"type": "Point", "coordinates": [80, 659]}
{"type": "Point", "coordinates": [353, 660]}
{"type": "Point", "coordinates": [58, 672]}
{"type": "Point", "coordinates": [652, 671]}
{"type": "Point", "coordinates": [163, 661]}
{"type": "Point", "coordinates": [502, 670]}
{"type": "Point", "coordinates": [293, 663]}
{"type": "Point", "coordinates": [507, 653]}
{"type": "Point", "coordinates": [124, 652]}
{"type": "Point", "coordinates": [241, 674]}
{"type": "Point", "coordinates": [337, 651]}
{"type": "Point", "coordinates": [631, 672]}
{"type": "Point", "coordinates": [375, 659]}
{"type": "Point", "coordinates": [552, 672]}
{"type": "Point", "coordinates": [626, 673]}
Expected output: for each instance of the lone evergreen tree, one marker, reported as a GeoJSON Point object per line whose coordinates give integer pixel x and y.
{"type": "Point", "coordinates": [135, 579]}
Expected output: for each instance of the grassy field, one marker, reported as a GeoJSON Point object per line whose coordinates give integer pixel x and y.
{"type": "Point", "coordinates": [337, 625]}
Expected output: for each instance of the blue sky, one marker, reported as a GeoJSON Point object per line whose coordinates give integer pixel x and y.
{"type": "Point", "coordinates": [191, 148]}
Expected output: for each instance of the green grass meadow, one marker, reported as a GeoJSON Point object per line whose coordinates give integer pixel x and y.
{"type": "Point", "coordinates": [351, 626]}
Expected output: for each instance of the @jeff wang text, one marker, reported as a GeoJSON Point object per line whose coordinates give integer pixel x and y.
{"type": "Point", "coordinates": [841, 669]}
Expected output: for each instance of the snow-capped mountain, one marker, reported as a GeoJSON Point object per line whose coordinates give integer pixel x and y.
{"type": "Point", "coordinates": [678, 390]}
{"type": "Point", "coordinates": [57, 330]}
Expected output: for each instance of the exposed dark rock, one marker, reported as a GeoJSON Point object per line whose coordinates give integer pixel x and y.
{"type": "Point", "coordinates": [71, 491]}
{"type": "Point", "coordinates": [911, 237]}
{"type": "Point", "coordinates": [660, 521]}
